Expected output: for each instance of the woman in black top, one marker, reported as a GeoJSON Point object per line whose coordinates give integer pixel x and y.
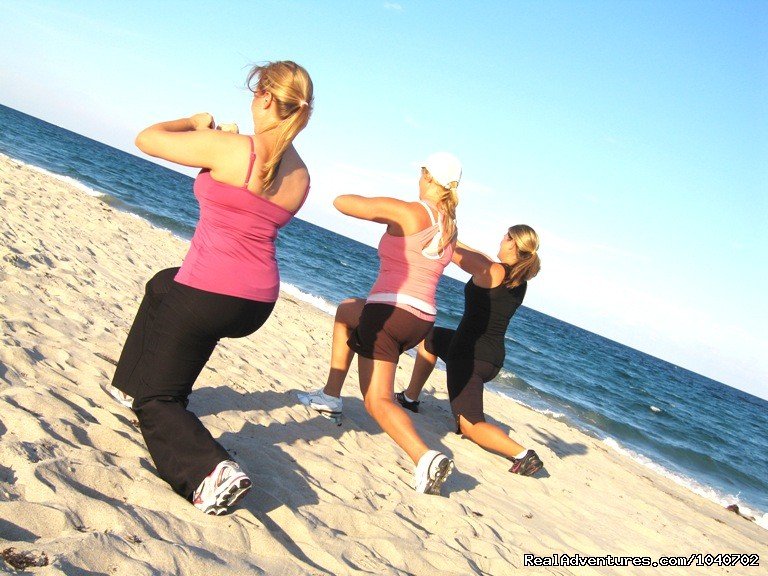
{"type": "Point", "coordinates": [474, 352]}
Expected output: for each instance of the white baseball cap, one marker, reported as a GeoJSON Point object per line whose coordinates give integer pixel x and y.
{"type": "Point", "coordinates": [444, 168]}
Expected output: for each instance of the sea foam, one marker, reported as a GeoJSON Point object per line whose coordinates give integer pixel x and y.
{"type": "Point", "coordinates": [546, 411]}
{"type": "Point", "coordinates": [71, 181]}
{"type": "Point", "coordinates": [311, 299]}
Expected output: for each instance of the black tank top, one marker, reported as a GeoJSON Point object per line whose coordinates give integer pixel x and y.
{"type": "Point", "coordinates": [487, 312]}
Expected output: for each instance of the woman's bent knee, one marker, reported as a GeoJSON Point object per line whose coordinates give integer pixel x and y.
{"type": "Point", "coordinates": [377, 406]}
{"type": "Point", "coordinates": [466, 421]}
{"type": "Point", "coordinates": [161, 282]}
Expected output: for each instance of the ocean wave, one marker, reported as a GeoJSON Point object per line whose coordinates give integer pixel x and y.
{"type": "Point", "coordinates": [505, 374]}
{"type": "Point", "coordinates": [545, 411]}
{"type": "Point", "coordinates": [67, 179]}
{"type": "Point", "coordinates": [690, 484]}
{"type": "Point", "coordinates": [531, 349]}
{"type": "Point", "coordinates": [311, 299]}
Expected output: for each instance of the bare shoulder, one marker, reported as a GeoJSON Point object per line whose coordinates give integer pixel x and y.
{"type": "Point", "coordinates": [292, 175]}
{"type": "Point", "coordinates": [293, 162]}
{"type": "Point", "coordinates": [497, 274]}
{"type": "Point", "coordinates": [406, 218]}
{"type": "Point", "coordinates": [485, 272]}
{"type": "Point", "coordinates": [291, 183]}
{"type": "Point", "coordinates": [419, 213]}
{"type": "Point", "coordinates": [231, 153]}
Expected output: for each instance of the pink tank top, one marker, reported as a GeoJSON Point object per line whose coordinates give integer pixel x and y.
{"type": "Point", "coordinates": [233, 248]}
{"type": "Point", "coordinates": [410, 268]}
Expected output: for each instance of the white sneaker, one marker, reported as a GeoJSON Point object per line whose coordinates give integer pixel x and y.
{"type": "Point", "coordinates": [319, 401]}
{"type": "Point", "coordinates": [431, 471]}
{"type": "Point", "coordinates": [221, 489]}
{"type": "Point", "coordinates": [122, 398]}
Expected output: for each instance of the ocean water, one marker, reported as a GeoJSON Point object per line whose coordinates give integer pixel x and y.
{"type": "Point", "coordinates": [709, 437]}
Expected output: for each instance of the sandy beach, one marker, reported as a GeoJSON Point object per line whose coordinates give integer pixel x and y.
{"type": "Point", "coordinates": [79, 492]}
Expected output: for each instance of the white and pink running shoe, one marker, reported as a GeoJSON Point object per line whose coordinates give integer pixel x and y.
{"type": "Point", "coordinates": [221, 489]}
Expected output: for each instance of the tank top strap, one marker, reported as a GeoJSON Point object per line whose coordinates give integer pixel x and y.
{"type": "Point", "coordinates": [431, 248]}
{"type": "Point", "coordinates": [429, 211]}
{"type": "Point", "coordinates": [250, 164]}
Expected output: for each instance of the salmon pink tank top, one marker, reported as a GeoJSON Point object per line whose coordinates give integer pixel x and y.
{"type": "Point", "coordinates": [410, 268]}
{"type": "Point", "coordinates": [233, 248]}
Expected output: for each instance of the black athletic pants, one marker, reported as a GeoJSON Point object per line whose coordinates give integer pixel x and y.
{"type": "Point", "coordinates": [174, 333]}
{"type": "Point", "coordinates": [466, 376]}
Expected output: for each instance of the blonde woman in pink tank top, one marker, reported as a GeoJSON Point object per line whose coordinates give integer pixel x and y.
{"type": "Point", "coordinates": [248, 188]}
{"type": "Point", "coordinates": [399, 310]}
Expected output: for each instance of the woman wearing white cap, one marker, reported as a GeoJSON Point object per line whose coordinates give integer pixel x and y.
{"type": "Point", "coordinates": [400, 309]}
{"type": "Point", "coordinates": [474, 352]}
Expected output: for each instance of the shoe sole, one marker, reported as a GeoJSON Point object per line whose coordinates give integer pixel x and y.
{"type": "Point", "coordinates": [107, 388]}
{"type": "Point", "coordinates": [530, 468]}
{"type": "Point", "coordinates": [444, 469]}
{"type": "Point", "coordinates": [227, 499]}
{"type": "Point", "coordinates": [233, 494]}
{"type": "Point", "coordinates": [330, 414]}
{"type": "Point", "coordinates": [215, 510]}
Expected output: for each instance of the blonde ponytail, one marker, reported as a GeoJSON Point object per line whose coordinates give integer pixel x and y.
{"type": "Point", "coordinates": [528, 264]}
{"type": "Point", "coordinates": [446, 205]}
{"type": "Point", "coordinates": [292, 91]}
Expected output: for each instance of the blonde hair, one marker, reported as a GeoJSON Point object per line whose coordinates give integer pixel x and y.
{"type": "Point", "coordinates": [528, 263]}
{"type": "Point", "coordinates": [292, 91]}
{"type": "Point", "coordinates": [447, 202]}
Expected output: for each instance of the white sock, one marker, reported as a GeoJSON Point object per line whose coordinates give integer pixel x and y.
{"type": "Point", "coordinates": [522, 454]}
{"type": "Point", "coordinates": [406, 398]}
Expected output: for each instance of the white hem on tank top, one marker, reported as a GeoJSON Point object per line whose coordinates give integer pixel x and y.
{"type": "Point", "coordinates": [392, 298]}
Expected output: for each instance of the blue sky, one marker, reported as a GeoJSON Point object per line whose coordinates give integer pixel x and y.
{"type": "Point", "coordinates": [633, 136]}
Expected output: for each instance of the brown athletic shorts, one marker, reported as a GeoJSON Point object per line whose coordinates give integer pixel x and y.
{"type": "Point", "coordinates": [385, 331]}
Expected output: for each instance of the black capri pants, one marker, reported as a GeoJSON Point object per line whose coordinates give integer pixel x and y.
{"type": "Point", "coordinates": [174, 333]}
{"type": "Point", "coordinates": [466, 377]}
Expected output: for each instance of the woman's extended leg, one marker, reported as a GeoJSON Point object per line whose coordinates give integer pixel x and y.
{"type": "Point", "coordinates": [493, 438]}
{"type": "Point", "coordinates": [422, 368]}
{"type": "Point", "coordinates": [346, 320]}
{"type": "Point", "coordinates": [490, 437]}
{"type": "Point", "coordinates": [188, 325]}
{"type": "Point", "coordinates": [466, 379]}
{"type": "Point", "coordinates": [377, 378]}
{"type": "Point", "coordinates": [327, 400]}
{"type": "Point", "coordinates": [435, 344]}
{"type": "Point", "coordinates": [182, 449]}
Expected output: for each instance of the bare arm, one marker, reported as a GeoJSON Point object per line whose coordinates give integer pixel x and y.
{"type": "Point", "coordinates": [401, 217]}
{"type": "Point", "coordinates": [188, 141]}
{"type": "Point", "coordinates": [486, 273]}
